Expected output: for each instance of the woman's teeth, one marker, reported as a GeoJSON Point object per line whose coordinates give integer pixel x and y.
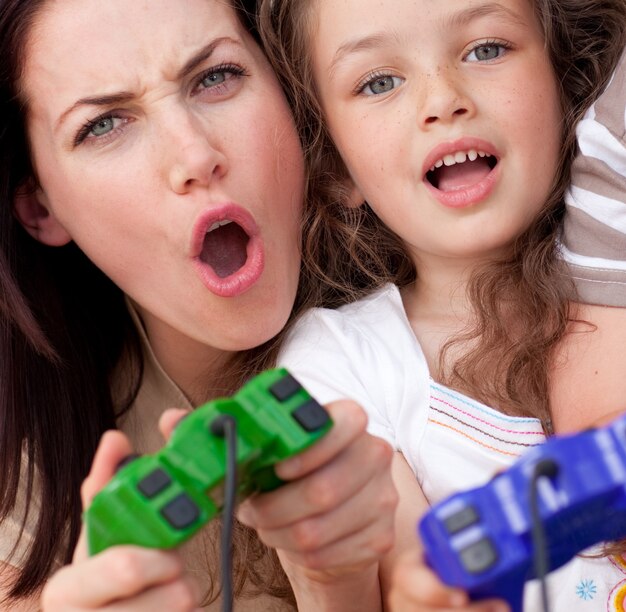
{"type": "Point", "coordinates": [218, 224]}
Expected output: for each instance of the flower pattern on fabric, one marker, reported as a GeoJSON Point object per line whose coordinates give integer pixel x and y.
{"type": "Point", "coordinates": [586, 590]}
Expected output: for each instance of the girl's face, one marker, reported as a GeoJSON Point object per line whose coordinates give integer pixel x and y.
{"type": "Point", "coordinates": [446, 114]}
{"type": "Point", "coordinates": [164, 148]}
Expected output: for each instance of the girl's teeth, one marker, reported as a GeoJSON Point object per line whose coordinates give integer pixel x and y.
{"type": "Point", "coordinates": [460, 157]}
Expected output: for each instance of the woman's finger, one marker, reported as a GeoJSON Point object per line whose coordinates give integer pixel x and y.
{"type": "Point", "coordinates": [349, 474]}
{"type": "Point", "coordinates": [114, 447]}
{"type": "Point", "coordinates": [349, 422]}
{"type": "Point", "coordinates": [118, 573]}
{"type": "Point", "coordinates": [169, 419]}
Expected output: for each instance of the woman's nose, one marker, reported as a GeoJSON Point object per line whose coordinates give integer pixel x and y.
{"type": "Point", "coordinates": [197, 156]}
{"type": "Point", "coordinates": [445, 98]}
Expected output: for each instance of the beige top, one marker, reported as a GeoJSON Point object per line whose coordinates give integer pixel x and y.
{"type": "Point", "coordinates": [157, 393]}
{"type": "Point", "coordinates": [594, 232]}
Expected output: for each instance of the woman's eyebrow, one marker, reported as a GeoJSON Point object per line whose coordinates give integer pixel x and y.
{"type": "Point", "coordinates": [203, 54]}
{"type": "Point", "coordinates": [124, 96]}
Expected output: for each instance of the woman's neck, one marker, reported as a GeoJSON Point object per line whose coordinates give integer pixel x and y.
{"type": "Point", "coordinates": [193, 366]}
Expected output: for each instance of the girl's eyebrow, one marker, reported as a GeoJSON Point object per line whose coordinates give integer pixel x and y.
{"type": "Point", "coordinates": [355, 45]}
{"type": "Point", "coordinates": [124, 96]}
{"type": "Point", "coordinates": [487, 9]}
{"type": "Point", "coordinates": [455, 20]}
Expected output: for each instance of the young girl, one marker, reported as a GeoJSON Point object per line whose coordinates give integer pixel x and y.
{"type": "Point", "coordinates": [151, 193]}
{"type": "Point", "coordinates": [454, 123]}
{"type": "Point", "coordinates": [593, 246]}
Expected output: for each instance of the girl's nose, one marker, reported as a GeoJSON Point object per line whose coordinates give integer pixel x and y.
{"type": "Point", "coordinates": [445, 98]}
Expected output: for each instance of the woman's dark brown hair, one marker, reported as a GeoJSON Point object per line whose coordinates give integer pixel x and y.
{"type": "Point", "coordinates": [64, 327]}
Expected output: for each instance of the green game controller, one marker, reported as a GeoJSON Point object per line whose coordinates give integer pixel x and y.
{"type": "Point", "coordinates": [161, 500]}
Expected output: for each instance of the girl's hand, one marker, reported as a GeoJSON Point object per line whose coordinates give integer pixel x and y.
{"type": "Point", "coordinates": [415, 588]}
{"type": "Point", "coordinates": [121, 578]}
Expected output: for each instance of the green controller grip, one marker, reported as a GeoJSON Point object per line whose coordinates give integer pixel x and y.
{"type": "Point", "coordinates": [161, 500]}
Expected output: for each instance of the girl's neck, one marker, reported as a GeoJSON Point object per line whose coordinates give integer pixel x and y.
{"type": "Point", "coordinates": [437, 307]}
{"type": "Point", "coordinates": [440, 292]}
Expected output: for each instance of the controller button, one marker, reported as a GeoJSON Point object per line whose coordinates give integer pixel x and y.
{"type": "Point", "coordinates": [181, 512]}
{"type": "Point", "coordinates": [286, 387]}
{"type": "Point", "coordinates": [311, 416]}
{"type": "Point", "coordinates": [479, 557]}
{"type": "Point", "coordinates": [126, 460]}
{"type": "Point", "coordinates": [460, 520]}
{"type": "Point", "coordinates": [154, 483]}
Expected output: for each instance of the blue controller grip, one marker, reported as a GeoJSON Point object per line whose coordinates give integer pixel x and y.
{"type": "Point", "coordinates": [481, 540]}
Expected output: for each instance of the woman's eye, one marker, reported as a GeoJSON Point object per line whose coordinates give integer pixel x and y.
{"type": "Point", "coordinates": [100, 129]}
{"type": "Point", "coordinates": [215, 78]}
{"type": "Point", "coordinates": [380, 85]}
{"type": "Point", "coordinates": [218, 78]}
{"type": "Point", "coordinates": [486, 52]}
{"type": "Point", "coordinates": [102, 126]}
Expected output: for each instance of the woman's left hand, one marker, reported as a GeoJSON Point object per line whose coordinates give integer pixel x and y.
{"type": "Point", "coordinates": [334, 519]}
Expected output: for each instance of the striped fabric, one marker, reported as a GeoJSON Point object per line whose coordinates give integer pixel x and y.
{"type": "Point", "coordinates": [465, 443]}
{"type": "Point", "coordinates": [482, 426]}
{"type": "Point", "coordinates": [594, 232]}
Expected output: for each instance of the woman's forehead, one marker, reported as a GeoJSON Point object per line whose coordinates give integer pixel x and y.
{"type": "Point", "coordinates": [75, 34]}
{"type": "Point", "coordinates": [85, 48]}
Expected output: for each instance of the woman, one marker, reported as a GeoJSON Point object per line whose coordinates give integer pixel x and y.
{"type": "Point", "coordinates": [152, 187]}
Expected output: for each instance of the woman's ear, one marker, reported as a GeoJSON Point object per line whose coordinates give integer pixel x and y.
{"type": "Point", "coordinates": [33, 212]}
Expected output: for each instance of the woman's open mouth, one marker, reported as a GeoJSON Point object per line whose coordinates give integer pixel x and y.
{"type": "Point", "coordinates": [225, 248]}
{"type": "Point", "coordinates": [228, 250]}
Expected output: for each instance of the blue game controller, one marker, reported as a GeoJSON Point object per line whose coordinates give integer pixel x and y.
{"type": "Point", "coordinates": [572, 488]}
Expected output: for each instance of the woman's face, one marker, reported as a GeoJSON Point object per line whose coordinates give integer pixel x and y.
{"type": "Point", "coordinates": [164, 148]}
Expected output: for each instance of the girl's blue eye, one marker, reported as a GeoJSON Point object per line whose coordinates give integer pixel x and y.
{"type": "Point", "coordinates": [486, 52]}
{"type": "Point", "coordinates": [380, 85]}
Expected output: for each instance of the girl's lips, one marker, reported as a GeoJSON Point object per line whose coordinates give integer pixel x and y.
{"type": "Point", "coordinates": [466, 195]}
{"type": "Point", "coordinates": [248, 274]}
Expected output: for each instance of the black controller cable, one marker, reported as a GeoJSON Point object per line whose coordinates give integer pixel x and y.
{"type": "Point", "coordinates": [546, 468]}
{"type": "Point", "coordinates": [226, 426]}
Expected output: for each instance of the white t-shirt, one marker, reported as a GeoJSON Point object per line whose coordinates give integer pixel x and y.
{"type": "Point", "coordinates": [367, 351]}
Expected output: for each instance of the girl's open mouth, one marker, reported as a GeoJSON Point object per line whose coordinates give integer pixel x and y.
{"type": "Point", "coordinates": [460, 170]}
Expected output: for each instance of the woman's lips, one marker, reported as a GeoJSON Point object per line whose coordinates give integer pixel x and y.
{"type": "Point", "coordinates": [232, 260]}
